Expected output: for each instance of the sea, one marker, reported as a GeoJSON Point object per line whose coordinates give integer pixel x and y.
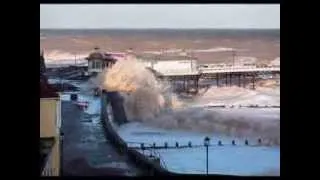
{"type": "Point", "coordinates": [208, 45]}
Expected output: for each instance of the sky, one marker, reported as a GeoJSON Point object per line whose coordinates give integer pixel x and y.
{"type": "Point", "coordinates": [85, 16]}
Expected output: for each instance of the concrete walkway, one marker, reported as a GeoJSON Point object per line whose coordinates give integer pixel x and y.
{"type": "Point", "coordinates": [85, 149]}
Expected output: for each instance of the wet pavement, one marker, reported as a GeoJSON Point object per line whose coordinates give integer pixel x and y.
{"type": "Point", "coordinates": [86, 152]}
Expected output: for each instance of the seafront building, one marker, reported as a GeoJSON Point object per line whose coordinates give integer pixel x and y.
{"type": "Point", "coordinates": [50, 123]}
{"type": "Point", "coordinates": [99, 60]}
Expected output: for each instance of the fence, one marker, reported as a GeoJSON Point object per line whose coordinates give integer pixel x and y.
{"type": "Point", "coordinates": [153, 147]}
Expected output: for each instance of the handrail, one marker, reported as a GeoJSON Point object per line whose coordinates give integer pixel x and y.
{"type": "Point", "coordinates": [216, 70]}
{"type": "Point", "coordinates": [153, 152]}
{"type": "Point", "coordinates": [211, 70]}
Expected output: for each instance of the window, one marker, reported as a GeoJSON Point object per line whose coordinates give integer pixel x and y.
{"type": "Point", "coordinates": [90, 64]}
{"type": "Point", "coordinates": [94, 64]}
{"type": "Point", "coordinates": [98, 64]}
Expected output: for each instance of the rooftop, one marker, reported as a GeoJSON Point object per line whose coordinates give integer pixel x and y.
{"type": "Point", "coordinates": [100, 55]}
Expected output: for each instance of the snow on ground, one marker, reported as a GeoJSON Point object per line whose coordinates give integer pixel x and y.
{"type": "Point", "coordinates": [227, 159]}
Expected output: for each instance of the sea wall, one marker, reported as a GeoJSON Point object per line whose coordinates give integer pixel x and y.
{"type": "Point", "coordinates": [147, 165]}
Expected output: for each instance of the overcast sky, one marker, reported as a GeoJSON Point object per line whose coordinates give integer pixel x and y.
{"type": "Point", "coordinates": [160, 16]}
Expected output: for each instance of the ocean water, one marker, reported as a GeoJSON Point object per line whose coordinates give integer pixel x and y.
{"type": "Point", "coordinates": [249, 43]}
{"type": "Point", "coordinates": [275, 33]}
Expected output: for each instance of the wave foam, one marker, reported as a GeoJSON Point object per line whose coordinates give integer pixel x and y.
{"type": "Point", "coordinates": [152, 102]}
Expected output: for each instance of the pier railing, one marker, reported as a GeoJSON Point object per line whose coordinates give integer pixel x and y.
{"type": "Point", "coordinates": [229, 69]}
{"type": "Point", "coordinates": [149, 147]}
{"type": "Point", "coordinates": [148, 151]}
{"type": "Point", "coordinates": [238, 69]}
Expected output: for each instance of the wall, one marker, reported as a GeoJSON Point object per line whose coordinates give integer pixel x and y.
{"type": "Point", "coordinates": [50, 121]}
{"type": "Point", "coordinates": [52, 168]}
{"type": "Point", "coordinates": [49, 117]}
{"type": "Point", "coordinates": [144, 163]}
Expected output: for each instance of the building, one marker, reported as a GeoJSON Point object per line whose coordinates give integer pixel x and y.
{"type": "Point", "coordinates": [42, 63]}
{"type": "Point", "coordinates": [99, 60]}
{"type": "Point", "coordinates": [50, 123]}
{"type": "Point", "coordinates": [170, 64]}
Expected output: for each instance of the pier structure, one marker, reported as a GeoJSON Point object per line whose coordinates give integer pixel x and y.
{"type": "Point", "coordinates": [183, 82]}
{"type": "Point", "coordinates": [241, 76]}
{"type": "Point", "coordinates": [186, 74]}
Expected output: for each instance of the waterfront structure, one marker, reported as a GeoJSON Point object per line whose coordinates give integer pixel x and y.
{"type": "Point", "coordinates": [98, 60]}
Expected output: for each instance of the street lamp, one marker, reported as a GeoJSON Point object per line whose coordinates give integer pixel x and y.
{"type": "Point", "coordinates": [207, 143]}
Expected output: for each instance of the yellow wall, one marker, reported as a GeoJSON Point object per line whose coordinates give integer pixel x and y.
{"type": "Point", "coordinates": [52, 168]}
{"type": "Point", "coordinates": [49, 116]}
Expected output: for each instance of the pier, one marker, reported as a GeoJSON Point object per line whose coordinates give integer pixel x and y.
{"type": "Point", "coordinates": [240, 76]}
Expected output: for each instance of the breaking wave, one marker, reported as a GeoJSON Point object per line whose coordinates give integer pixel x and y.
{"type": "Point", "coordinates": [152, 102]}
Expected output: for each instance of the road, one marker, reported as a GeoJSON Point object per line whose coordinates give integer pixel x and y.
{"type": "Point", "coordinates": [86, 152]}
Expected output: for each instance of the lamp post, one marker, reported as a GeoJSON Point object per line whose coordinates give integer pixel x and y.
{"type": "Point", "coordinates": [207, 143]}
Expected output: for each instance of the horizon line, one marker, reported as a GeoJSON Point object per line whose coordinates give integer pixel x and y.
{"type": "Point", "coordinates": [156, 28]}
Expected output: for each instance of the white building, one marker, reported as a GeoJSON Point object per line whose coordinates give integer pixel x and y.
{"type": "Point", "coordinates": [170, 64]}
